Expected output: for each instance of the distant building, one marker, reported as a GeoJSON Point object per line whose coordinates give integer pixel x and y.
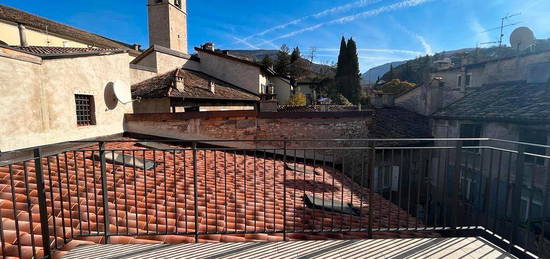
{"type": "Point", "coordinates": [449, 85]}
{"type": "Point", "coordinates": [517, 111]}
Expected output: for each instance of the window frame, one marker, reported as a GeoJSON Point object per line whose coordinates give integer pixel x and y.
{"type": "Point", "coordinates": [459, 80]}
{"type": "Point", "coordinates": [475, 128]}
{"type": "Point", "coordinates": [525, 135]}
{"type": "Point", "coordinates": [468, 79]}
{"type": "Point", "coordinates": [85, 107]}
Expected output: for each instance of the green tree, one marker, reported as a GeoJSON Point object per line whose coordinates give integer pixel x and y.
{"type": "Point", "coordinates": [396, 86]}
{"type": "Point", "coordinates": [341, 67]}
{"type": "Point", "coordinates": [352, 91]}
{"type": "Point", "coordinates": [298, 99]}
{"type": "Point", "coordinates": [267, 61]}
{"type": "Point", "coordinates": [295, 55]}
{"type": "Point", "coordinates": [283, 60]}
{"type": "Point", "coordinates": [340, 99]}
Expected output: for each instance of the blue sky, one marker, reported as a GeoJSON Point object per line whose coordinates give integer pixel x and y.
{"type": "Point", "coordinates": [385, 30]}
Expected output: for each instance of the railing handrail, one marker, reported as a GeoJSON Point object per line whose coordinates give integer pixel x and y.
{"type": "Point", "coordinates": [211, 141]}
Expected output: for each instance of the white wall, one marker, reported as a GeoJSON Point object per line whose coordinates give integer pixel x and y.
{"type": "Point", "coordinates": [234, 72]}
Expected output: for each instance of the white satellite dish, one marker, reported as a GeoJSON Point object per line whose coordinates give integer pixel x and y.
{"type": "Point", "coordinates": [123, 92]}
{"type": "Point", "coordinates": [522, 38]}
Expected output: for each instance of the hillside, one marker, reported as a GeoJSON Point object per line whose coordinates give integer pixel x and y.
{"type": "Point", "coordinates": [372, 74]}
{"type": "Point", "coordinates": [258, 55]}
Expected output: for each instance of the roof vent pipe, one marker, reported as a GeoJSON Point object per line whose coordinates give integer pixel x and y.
{"type": "Point", "coordinates": [22, 35]}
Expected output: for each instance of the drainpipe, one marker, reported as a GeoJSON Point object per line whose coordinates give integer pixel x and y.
{"type": "Point", "coordinates": [22, 35]}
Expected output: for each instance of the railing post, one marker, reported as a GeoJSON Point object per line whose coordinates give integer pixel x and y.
{"type": "Point", "coordinates": [285, 143]}
{"type": "Point", "coordinates": [104, 191]}
{"type": "Point", "coordinates": [195, 192]}
{"type": "Point", "coordinates": [42, 205]}
{"type": "Point", "coordinates": [516, 193]}
{"type": "Point", "coordinates": [370, 173]}
{"type": "Point", "coordinates": [456, 183]}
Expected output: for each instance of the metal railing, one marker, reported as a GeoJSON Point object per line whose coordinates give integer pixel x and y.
{"type": "Point", "coordinates": [277, 190]}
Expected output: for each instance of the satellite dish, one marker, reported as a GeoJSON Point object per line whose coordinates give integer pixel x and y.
{"type": "Point", "coordinates": [522, 38]}
{"type": "Point", "coordinates": [122, 91]}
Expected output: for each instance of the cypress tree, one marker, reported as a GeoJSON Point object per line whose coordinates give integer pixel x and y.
{"type": "Point", "coordinates": [352, 91]}
{"type": "Point", "coordinates": [341, 66]}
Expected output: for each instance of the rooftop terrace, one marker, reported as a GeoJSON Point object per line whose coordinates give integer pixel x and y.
{"type": "Point", "coordinates": [174, 193]}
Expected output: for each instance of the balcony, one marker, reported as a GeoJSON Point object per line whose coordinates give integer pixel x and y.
{"type": "Point", "coordinates": [375, 198]}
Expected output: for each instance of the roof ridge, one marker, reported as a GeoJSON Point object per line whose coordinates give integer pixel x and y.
{"type": "Point", "coordinates": [5, 16]}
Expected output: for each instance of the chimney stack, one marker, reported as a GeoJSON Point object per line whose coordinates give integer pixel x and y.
{"type": "Point", "coordinates": [212, 86]}
{"type": "Point", "coordinates": [208, 46]}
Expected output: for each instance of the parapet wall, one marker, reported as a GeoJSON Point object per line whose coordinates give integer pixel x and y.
{"type": "Point", "coordinates": [250, 125]}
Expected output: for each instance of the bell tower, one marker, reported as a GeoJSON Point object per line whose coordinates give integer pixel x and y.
{"type": "Point", "coordinates": [168, 24]}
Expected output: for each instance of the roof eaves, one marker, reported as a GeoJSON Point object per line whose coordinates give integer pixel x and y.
{"type": "Point", "coordinates": [80, 54]}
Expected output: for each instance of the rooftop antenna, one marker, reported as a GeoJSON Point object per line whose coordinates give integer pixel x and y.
{"type": "Point", "coordinates": [502, 26]}
{"type": "Point", "coordinates": [522, 38]}
{"type": "Point", "coordinates": [503, 19]}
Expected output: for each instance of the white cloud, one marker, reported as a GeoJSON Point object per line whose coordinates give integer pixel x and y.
{"type": "Point", "coordinates": [427, 47]}
{"type": "Point", "coordinates": [331, 11]}
{"type": "Point", "coordinates": [482, 36]}
{"type": "Point", "coordinates": [388, 51]}
{"type": "Point", "coordinates": [346, 7]}
{"type": "Point", "coordinates": [351, 18]}
{"type": "Point", "coordinates": [245, 42]}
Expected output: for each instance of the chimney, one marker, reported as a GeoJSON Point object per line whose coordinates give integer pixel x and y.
{"type": "Point", "coordinates": [212, 86]}
{"type": "Point", "coordinates": [208, 46]}
{"type": "Point", "coordinates": [136, 47]}
{"type": "Point", "coordinates": [180, 82]}
{"type": "Point", "coordinates": [23, 35]}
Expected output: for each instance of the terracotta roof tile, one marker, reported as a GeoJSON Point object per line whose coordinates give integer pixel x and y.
{"type": "Point", "coordinates": [225, 202]}
{"type": "Point", "coordinates": [196, 87]}
{"type": "Point", "coordinates": [44, 51]}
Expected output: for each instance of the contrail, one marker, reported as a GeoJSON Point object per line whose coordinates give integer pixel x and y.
{"type": "Point", "coordinates": [330, 11]}
{"type": "Point", "coordinates": [350, 18]}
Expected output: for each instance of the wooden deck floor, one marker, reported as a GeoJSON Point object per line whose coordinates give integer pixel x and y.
{"type": "Point", "coordinates": [388, 248]}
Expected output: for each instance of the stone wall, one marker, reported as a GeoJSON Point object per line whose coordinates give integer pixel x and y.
{"type": "Point", "coordinates": [250, 125]}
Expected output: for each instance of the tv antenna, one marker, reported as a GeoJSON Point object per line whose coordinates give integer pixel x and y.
{"type": "Point", "coordinates": [503, 19]}
{"type": "Point", "coordinates": [502, 26]}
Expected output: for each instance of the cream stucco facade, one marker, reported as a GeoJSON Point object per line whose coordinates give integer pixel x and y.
{"type": "Point", "coordinates": [235, 72]}
{"type": "Point", "coordinates": [12, 36]}
{"type": "Point", "coordinates": [38, 98]}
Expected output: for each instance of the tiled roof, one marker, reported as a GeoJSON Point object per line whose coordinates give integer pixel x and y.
{"type": "Point", "coordinates": [44, 51]}
{"type": "Point", "coordinates": [235, 193]}
{"type": "Point", "coordinates": [196, 87]}
{"type": "Point", "coordinates": [43, 24]}
{"type": "Point", "coordinates": [517, 102]}
{"type": "Point", "coordinates": [397, 122]}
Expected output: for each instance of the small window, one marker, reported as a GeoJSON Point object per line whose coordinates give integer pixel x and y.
{"type": "Point", "coordinates": [177, 3]}
{"type": "Point", "coordinates": [468, 80]}
{"type": "Point", "coordinates": [85, 110]}
{"type": "Point", "coordinates": [459, 81]}
{"type": "Point", "coordinates": [470, 131]}
{"type": "Point", "coordinates": [534, 137]}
